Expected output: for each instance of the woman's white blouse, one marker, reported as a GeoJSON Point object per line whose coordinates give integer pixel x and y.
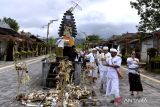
{"type": "Point", "coordinates": [132, 63]}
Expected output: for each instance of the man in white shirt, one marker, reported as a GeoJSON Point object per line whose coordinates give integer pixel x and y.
{"type": "Point", "coordinates": [99, 51]}
{"type": "Point", "coordinates": [93, 73]}
{"type": "Point", "coordinates": [105, 56]}
{"type": "Point", "coordinates": [112, 77]}
{"type": "Point", "coordinates": [97, 48]}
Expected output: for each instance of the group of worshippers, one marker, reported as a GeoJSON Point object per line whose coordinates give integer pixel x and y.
{"type": "Point", "coordinates": [106, 64]}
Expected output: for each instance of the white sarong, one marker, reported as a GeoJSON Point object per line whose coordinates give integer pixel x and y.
{"type": "Point", "coordinates": [112, 87]}
{"type": "Point", "coordinates": [104, 80]}
{"type": "Point", "coordinates": [95, 72]}
{"type": "Point", "coordinates": [101, 70]}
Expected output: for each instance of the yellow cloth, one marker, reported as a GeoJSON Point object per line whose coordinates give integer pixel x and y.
{"type": "Point", "coordinates": [70, 40]}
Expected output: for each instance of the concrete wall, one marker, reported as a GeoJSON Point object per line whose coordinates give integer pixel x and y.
{"type": "Point", "coordinates": [156, 42]}
{"type": "Point", "coordinates": [3, 47]}
{"type": "Point", "coordinates": [147, 43]}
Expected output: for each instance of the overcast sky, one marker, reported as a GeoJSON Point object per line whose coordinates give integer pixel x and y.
{"type": "Point", "coordinates": [102, 17]}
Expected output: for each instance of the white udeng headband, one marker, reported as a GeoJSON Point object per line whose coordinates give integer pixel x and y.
{"type": "Point", "coordinates": [94, 49]}
{"type": "Point", "coordinates": [105, 48]}
{"type": "Point", "coordinates": [97, 47]}
{"type": "Point", "coordinates": [113, 50]}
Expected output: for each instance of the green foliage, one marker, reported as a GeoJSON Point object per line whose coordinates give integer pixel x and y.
{"type": "Point", "coordinates": [80, 45]}
{"type": "Point", "coordinates": [149, 12]}
{"type": "Point", "coordinates": [156, 71]}
{"type": "Point", "coordinates": [156, 59]}
{"type": "Point", "coordinates": [17, 54]}
{"type": "Point", "coordinates": [51, 41]}
{"type": "Point", "coordinates": [152, 52]}
{"type": "Point", "coordinates": [124, 59]}
{"type": "Point", "coordinates": [29, 52]}
{"type": "Point", "coordinates": [93, 38]}
{"type": "Point", "coordinates": [23, 52]}
{"type": "Point", "coordinates": [12, 23]}
{"type": "Point", "coordinates": [123, 51]}
{"type": "Point", "coordinates": [154, 64]}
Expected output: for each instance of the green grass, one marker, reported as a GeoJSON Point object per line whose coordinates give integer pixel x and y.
{"type": "Point", "coordinates": [155, 59]}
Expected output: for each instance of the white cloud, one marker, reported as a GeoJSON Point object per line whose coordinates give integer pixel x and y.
{"type": "Point", "coordinates": [33, 14]}
{"type": "Point", "coordinates": [115, 11]}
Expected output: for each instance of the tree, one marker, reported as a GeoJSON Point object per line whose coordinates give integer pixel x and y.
{"type": "Point", "coordinates": [80, 46]}
{"type": "Point", "coordinates": [93, 38]}
{"type": "Point", "coordinates": [12, 23]}
{"type": "Point", "coordinates": [51, 41]}
{"type": "Point", "coordinates": [149, 12]}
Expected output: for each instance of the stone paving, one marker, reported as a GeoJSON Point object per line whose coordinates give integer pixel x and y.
{"type": "Point", "coordinates": [150, 97]}
{"type": "Point", "coordinates": [8, 83]}
{"type": "Point", "coordinates": [151, 74]}
{"type": "Point", "coordinates": [4, 63]}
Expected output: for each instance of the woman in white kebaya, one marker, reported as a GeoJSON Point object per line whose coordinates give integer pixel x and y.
{"type": "Point", "coordinates": [133, 75]}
